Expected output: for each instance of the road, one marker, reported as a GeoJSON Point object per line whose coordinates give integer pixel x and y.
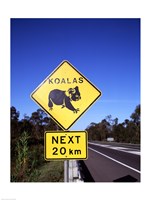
{"type": "Point", "coordinates": [113, 162]}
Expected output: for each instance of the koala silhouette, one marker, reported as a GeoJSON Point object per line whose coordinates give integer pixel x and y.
{"type": "Point", "coordinates": [59, 97]}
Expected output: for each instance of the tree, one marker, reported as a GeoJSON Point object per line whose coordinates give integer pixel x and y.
{"type": "Point", "coordinates": [119, 133]}
{"type": "Point", "coordinates": [136, 121]}
{"type": "Point", "coordinates": [105, 129]}
{"type": "Point", "coordinates": [135, 116]}
{"type": "Point", "coordinates": [14, 113]}
{"type": "Point", "coordinates": [111, 124]}
{"type": "Point", "coordinates": [98, 131]}
{"type": "Point", "coordinates": [14, 122]}
{"type": "Point", "coordinates": [92, 132]}
{"type": "Point", "coordinates": [37, 120]}
{"type": "Point", "coordinates": [25, 125]}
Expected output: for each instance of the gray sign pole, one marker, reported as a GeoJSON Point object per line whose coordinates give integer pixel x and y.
{"type": "Point", "coordinates": [66, 170]}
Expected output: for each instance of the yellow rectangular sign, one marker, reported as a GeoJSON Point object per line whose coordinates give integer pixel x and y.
{"type": "Point", "coordinates": [65, 145]}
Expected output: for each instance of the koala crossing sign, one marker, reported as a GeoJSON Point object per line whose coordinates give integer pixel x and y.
{"type": "Point", "coordinates": [65, 95]}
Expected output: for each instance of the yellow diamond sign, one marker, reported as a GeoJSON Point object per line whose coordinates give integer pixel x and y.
{"type": "Point", "coordinates": [65, 145]}
{"type": "Point", "coordinates": [65, 95]}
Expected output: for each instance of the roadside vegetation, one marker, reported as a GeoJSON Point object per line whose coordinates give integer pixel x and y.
{"type": "Point", "coordinates": [27, 149]}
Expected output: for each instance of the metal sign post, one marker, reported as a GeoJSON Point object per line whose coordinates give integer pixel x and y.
{"type": "Point", "coordinates": [66, 170]}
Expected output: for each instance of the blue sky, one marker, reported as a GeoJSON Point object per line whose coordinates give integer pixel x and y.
{"type": "Point", "coordinates": [106, 51]}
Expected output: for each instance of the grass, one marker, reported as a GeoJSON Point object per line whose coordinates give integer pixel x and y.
{"type": "Point", "coordinates": [52, 171]}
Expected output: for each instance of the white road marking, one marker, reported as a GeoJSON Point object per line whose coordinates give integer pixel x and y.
{"type": "Point", "coordinates": [117, 148]}
{"type": "Point", "coordinates": [115, 160]}
{"type": "Point", "coordinates": [133, 152]}
{"type": "Point", "coordinates": [102, 145]}
{"type": "Point", "coordinates": [124, 149]}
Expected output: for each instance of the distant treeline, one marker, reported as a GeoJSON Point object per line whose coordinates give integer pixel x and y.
{"type": "Point", "coordinates": [128, 131]}
{"type": "Point", "coordinates": [39, 122]}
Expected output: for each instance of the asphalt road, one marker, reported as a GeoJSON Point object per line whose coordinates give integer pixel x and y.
{"type": "Point", "coordinates": [113, 162]}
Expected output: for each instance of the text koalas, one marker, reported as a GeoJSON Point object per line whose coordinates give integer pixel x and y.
{"type": "Point", "coordinates": [65, 80]}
